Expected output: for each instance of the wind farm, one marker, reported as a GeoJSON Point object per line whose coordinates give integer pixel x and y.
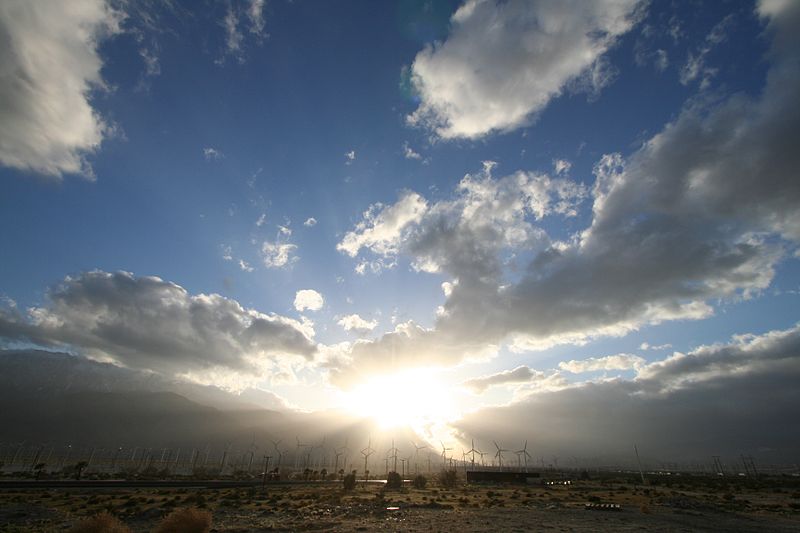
{"type": "Point", "coordinates": [409, 265]}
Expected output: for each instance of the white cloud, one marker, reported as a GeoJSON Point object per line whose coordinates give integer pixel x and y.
{"type": "Point", "coordinates": [278, 255]}
{"type": "Point", "coordinates": [350, 156]}
{"type": "Point", "coordinates": [504, 61]}
{"type": "Point", "coordinates": [237, 16]}
{"type": "Point", "coordinates": [227, 253]}
{"type": "Point", "coordinates": [355, 323]}
{"type": "Point", "coordinates": [695, 66]}
{"type": "Point", "coordinates": [561, 166]}
{"type": "Point", "coordinates": [382, 226]}
{"type": "Point", "coordinates": [256, 15]}
{"type": "Point", "coordinates": [521, 374]}
{"type": "Point", "coordinates": [648, 346]}
{"type": "Point", "coordinates": [49, 66]}
{"type": "Point", "coordinates": [310, 222]}
{"type": "Point", "coordinates": [284, 230]}
{"type": "Point", "coordinates": [622, 361]}
{"type": "Point", "coordinates": [233, 37]}
{"type": "Point", "coordinates": [212, 153]}
{"type": "Point", "coordinates": [308, 299]}
{"type": "Point", "coordinates": [262, 219]}
{"type": "Point", "coordinates": [662, 60]}
{"type": "Point", "coordinates": [409, 152]}
{"type": "Point", "coordinates": [148, 323]}
{"type": "Point", "coordinates": [244, 265]}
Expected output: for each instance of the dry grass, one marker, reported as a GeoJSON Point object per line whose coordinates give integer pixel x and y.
{"type": "Point", "coordinates": [187, 520]}
{"type": "Point", "coordinates": [101, 523]}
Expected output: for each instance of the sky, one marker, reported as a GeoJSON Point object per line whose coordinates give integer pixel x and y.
{"type": "Point", "coordinates": [512, 208]}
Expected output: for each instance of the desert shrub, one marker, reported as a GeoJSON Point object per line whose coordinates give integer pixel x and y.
{"type": "Point", "coordinates": [101, 523]}
{"type": "Point", "coordinates": [420, 481]}
{"type": "Point", "coordinates": [187, 520]}
{"type": "Point", "coordinates": [394, 481]}
{"type": "Point", "coordinates": [448, 478]}
{"type": "Point", "coordinates": [349, 481]}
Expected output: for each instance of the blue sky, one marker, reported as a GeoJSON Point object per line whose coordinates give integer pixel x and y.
{"type": "Point", "coordinates": [233, 147]}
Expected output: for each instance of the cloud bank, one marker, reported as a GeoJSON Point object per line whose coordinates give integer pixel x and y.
{"type": "Point", "coordinates": [724, 399]}
{"type": "Point", "coordinates": [151, 324]}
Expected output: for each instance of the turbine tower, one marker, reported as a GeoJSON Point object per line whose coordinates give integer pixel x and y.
{"type": "Point", "coordinates": [416, 456]}
{"type": "Point", "coordinates": [499, 454]}
{"type": "Point", "coordinates": [366, 452]}
{"type": "Point", "coordinates": [444, 454]}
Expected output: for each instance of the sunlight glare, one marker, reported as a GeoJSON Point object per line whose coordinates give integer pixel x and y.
{"type": "Point", "coordinates": [414, 398]}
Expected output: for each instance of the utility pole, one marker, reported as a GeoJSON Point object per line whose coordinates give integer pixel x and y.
{"type": "Point", "coordinates": [641, 472]}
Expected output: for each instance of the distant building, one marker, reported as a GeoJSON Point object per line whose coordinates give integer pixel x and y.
{"type": "Point", "coordinates": [498, 476]}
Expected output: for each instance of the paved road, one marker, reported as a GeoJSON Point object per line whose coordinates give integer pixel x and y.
{"type": "Point", "coordinates": [128, 484]}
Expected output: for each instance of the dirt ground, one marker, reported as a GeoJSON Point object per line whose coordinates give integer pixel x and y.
{"type": "Point", "coordinates": [677, 504]}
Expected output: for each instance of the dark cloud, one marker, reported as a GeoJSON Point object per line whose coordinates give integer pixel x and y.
{"type": "Point", "coordinates": [521, 374]}
{"type": "Point", "coordinates": [148, 323]}
{"type": "Point", "coordinates": [721, 399]}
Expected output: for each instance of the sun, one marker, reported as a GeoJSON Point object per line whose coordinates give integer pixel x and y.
{"type": "Point", "coordinates": [414, 398]}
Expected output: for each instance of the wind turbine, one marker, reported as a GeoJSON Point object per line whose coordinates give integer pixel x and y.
{"type": "Point", "coordinates": [444, 454]}
{"type": "Point", "coordinates": [280, 455]}
{"type": "Point", "coordinates": [499, 454]}
{"type": "Point", "coordinates": [366, 452]}
{"type": "Point", "coordinates": [416, 456]}
{"type": "Point", "coordinates": [393, 454]}
{"type": "Point", "coordinates": [297, 454]}
{"type": "Point", "coordinates": [473, 451]}
{"type": "Point", "coordinates": [338, 452]}
{"type": "Point", "coordinates": [523, 454]}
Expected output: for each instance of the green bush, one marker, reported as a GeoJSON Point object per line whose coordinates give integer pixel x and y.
{"type": "Point", "coordinates": [420, 481]}
{"type": "Point", "coordinates": [394, 481]}
{"type": "Point", "coordinates": [349, 481]}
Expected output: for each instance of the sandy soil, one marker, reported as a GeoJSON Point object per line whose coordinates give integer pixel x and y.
{"type": "Point", "coordinates": [675, 505]}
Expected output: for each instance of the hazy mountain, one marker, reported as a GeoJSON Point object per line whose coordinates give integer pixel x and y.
{"type": "Point", "coordinates": [57, 397]}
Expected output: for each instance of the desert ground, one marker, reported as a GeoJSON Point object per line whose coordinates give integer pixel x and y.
{"type": "Point", "coordinates": [674, 503]}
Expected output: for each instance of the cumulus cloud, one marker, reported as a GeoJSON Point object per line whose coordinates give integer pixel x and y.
{"type": "Point", "coordinates": [704, 210]}
{"type": "Point", "coordinates": [350, 156]}
{"type": "Point", "coordinates": [49, 66]}
{"type": "Point", "coordinates": [357, 324]}
{"type": "Point", "coordinates": [245, 266]}
{"type": "Point", "coordinates": [308, 299]}
{"type": "Point", "coordinates": [278, 254]}
{"type": "Point", "coordinates": [382, 226]}
{"type": "Point", "coordinates": [521, 374]}
{"type": "Point", "coordinates": [621, 361]}
{"type": "Point", "coordinates": [723, 399]}
{"type": "Point", "coordinates": [504, 61]}
{"type": "Point", "coordinates": [310, 222]}
{"type": "Point", "coordinates": [148, 323]}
